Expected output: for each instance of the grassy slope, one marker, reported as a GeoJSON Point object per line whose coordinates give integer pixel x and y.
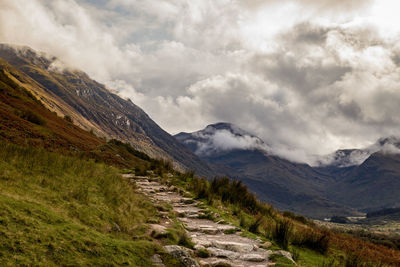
{"type": "Point", "coordinates": [62, 210]}
{"type": "Point", "coordinates": [25, 121]}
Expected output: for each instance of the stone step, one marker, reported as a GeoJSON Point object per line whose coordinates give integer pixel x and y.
{"type": "Point", "coordinates": [222, 253]}
{"type": "Point", "coordinates": [233, 246]}
{"type": "Point", "coordinates": [254, 257]}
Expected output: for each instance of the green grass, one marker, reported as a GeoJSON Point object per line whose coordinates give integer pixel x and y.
{"type": "Point", "coordinates": [58, 210]}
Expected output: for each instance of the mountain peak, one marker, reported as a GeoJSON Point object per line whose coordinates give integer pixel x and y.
{"type": "Point", "coordinates": [221, 137]}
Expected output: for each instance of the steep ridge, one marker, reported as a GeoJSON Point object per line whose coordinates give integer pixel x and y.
{"type": "Point", "coordinates": [72, 93]}
{"type": "Point", "coordinates": [286, 185]}
{"type": "Point", "coordinates": [25, 121]}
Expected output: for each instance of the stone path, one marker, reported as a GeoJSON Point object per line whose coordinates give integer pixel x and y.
{"type": "Point", "coordinates": [221, 240]}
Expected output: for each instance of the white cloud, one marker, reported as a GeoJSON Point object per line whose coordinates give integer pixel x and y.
{"type": "Point", "coordinates": [307, 76]}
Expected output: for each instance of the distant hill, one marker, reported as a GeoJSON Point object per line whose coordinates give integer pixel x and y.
{"type": "Point", "coordinates": [286, 185]}
{"type": "Point", "coordinates": [346, 181]}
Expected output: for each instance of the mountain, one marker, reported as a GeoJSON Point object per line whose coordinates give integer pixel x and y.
{"type": "Point", "coordinates": [286, 185]}
{"type": "Point", "coordinates": [372, 181]}
{"type": "Point", "coordinates": [71, 93]}
{"type": "Point", "coordinates": [375, 184]}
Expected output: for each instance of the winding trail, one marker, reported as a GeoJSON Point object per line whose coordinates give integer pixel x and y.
{"type": "Point", "coordinates": [221, 240]}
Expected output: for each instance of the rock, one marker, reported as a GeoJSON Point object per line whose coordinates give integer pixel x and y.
{"type": "Point", "coordinates": [253, 257]}
{"type": "Point", "coordinates": [214, 262]}
{"type": "Point", "coordinates": [222, 253]}
{"type": "Point", "coordinates": [233, 246]}
{"type": "Point", "coordinates": [199, 247]}
{"type": "Point", "coordinates": [157, 261]}
{"type": "Point", "coordinates": [172, 188]}
{"type": "Point", "coordinates": [266, 245]}
{"type": "Point", "coordinates": [116, 227]}
{"type": "Point", "coordinates": [181, 254]}
{"type": "Point", "coordinates": [285, 254]}
{"type": "Point", "coordinates": [189, 262]}
{"type": "Point", "coordinates": [204, 243]}
{"type": "Point", "coordinates": [207, 229]}
{"type": "Point", "coordinates": [227, 228]}
{"type": "Point", "coordinates": [158, 231]}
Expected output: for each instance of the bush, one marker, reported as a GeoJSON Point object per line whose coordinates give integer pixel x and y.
{"type": "Point", "coordinates": [282, 232]}
{"type": "Point", "coordinates": [299, 218]}
{"type": "Point", "coordinates": [202, 253]}
{"type": "Point", "coordinates": [312, 239]}
{"type": "Point", "coordinates": [68, 118]}
{"type": "Point", "coordinates": [339, 219]}
{"type": "Point", "coordinates": [255, 224]}
{"type": "Point", "coordinates": [31, 117]}
{"type": "Point", "coordinates": [184, 240]}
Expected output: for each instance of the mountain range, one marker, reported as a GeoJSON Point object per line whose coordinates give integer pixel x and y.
{"type": "Point", "coordinates": [348, 182]}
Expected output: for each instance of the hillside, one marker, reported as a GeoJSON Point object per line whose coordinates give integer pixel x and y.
{"type": "Point", "coordinates": [72, 93]}
{"type": "Point", "coordinates": [345, 183]}
{"type": "Point", "coordinates": [286, 185]}
{"type": "Point", "coordinates": [372, 185]}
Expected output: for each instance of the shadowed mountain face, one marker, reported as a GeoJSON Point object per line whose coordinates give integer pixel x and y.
{"type": "Point", "coordinates": [373, 183]}
{"type": "Point", "coordinates": [91, 106]}
{"type": "Point", "coordinates": [348, 180]}
{"type": "Point", "coordinates": [286, 185]}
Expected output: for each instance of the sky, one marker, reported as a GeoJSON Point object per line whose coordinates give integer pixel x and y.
{"type": "Point", "coordinates": [306, 76]}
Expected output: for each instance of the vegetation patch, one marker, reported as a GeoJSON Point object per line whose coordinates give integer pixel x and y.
{"type": "Point", "coordinates": [58, 210]}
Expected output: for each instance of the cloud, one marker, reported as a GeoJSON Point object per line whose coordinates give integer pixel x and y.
{"type": "Point", "coordinates": [225, 141]}
{"type": "Point", "coordinates": [306, 76]}
{"type": "Point", "coordinates": [346, 158]}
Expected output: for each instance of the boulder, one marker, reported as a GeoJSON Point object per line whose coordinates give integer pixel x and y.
{"type": "Point", "coordinates": [157, 261]}
{"type": "Point", "coordinates": [266, 245]}
{"type": "Point", "coordinates": [181, 254]}
{"type": "Point", "coordinates": [158, 231]}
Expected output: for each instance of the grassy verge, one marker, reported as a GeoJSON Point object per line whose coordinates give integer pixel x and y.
{"type": "Point", "coordinates": [60, 210]}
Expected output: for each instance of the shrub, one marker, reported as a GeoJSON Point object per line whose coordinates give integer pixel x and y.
{"type": "Point", "coordinates": [255, 224]}
{"type": "Point", "coordinates": [202, 253]}
{"type": "Point", "coordinates": [339, 219]}
{"type": "Point", "coordinates": [282, 232]}
{"type": "Point", "coordinates": [68, 118]}
{"type": "Point", "coordinates": [312, 239]}
{"type": "Point", "coordinates": [299, 218]}
{"type": "Point", "coordinates": [184, 240]}
{"type": "Point", "coordinates": [31, 117]}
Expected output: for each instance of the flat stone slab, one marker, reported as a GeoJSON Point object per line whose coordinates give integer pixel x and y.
{"type": "Point", "coordinates": [222, 253]}
{"type": "Point", "coordinates": [253, 257]}
{"type": "Point", "coordinates": [233, 246]}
